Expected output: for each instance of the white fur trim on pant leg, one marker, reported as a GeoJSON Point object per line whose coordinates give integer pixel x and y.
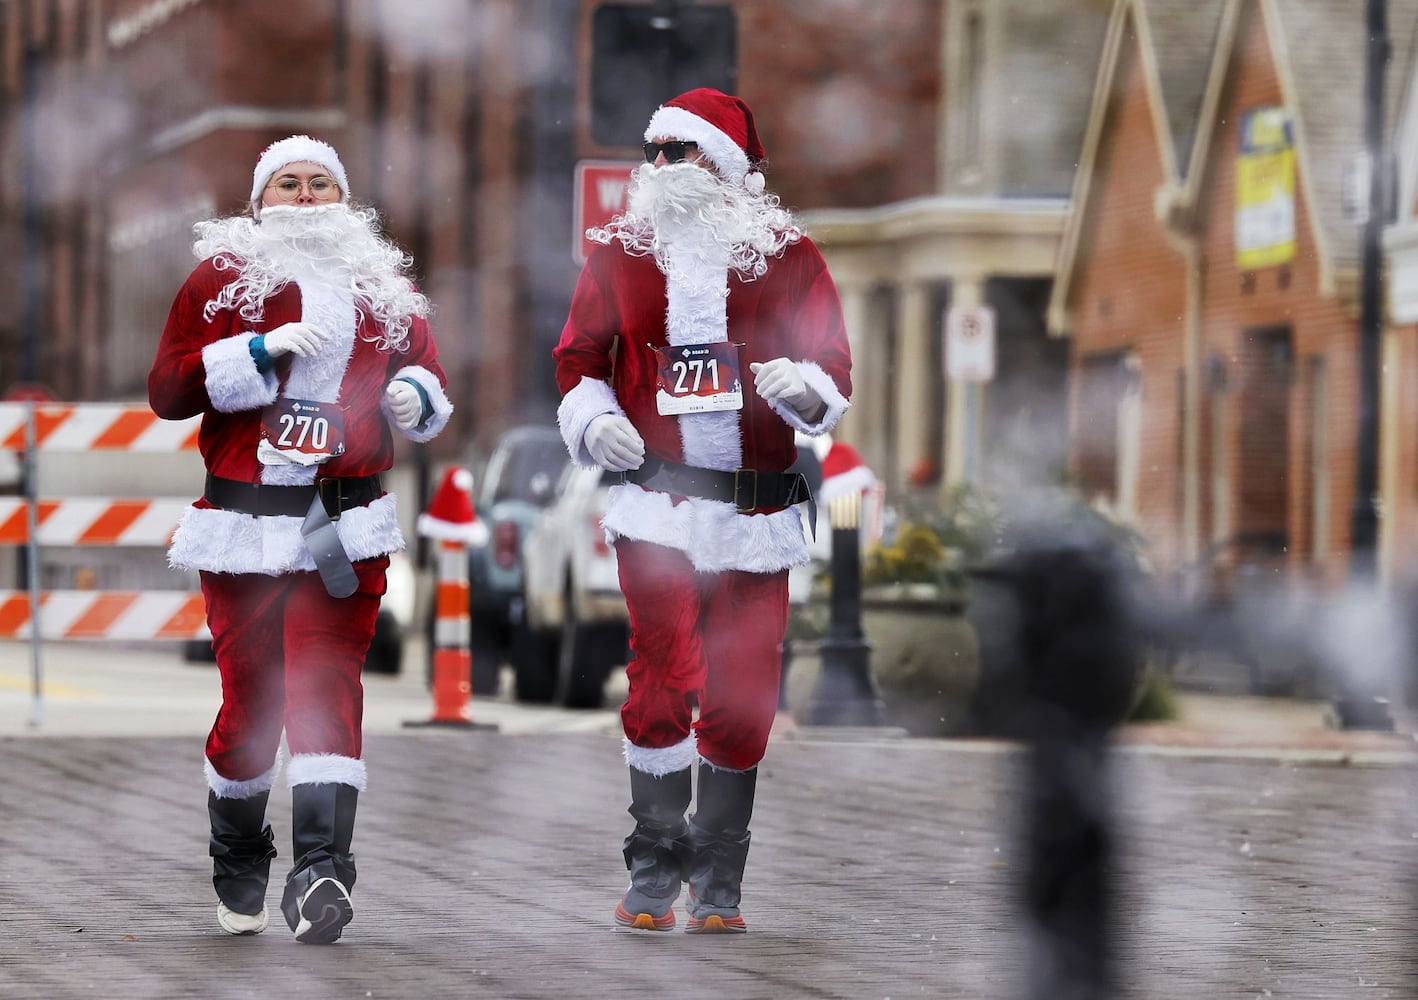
{"type": "Point", "coordinates": [226, 788]}
{"type": "Point", "coordinates": [822, 383]}
{"type": "Point", "coordinates": [437, 398]}
{"type": "Point", "coordinates": [727, 770]}
{"type": "Point", "coordinates": [233, 383]}
{"type": "Point", "coordinates": [325, 769]}
{"type": "Point", "coordinates": [660, 761]}
{"type": "Point", "coordinates": [587, 400]}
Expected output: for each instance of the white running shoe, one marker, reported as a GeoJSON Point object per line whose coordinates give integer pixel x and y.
{"type": "Point", "coordinates": [324, 910]}
{"type": "Point", "coordinates": [241, 923]}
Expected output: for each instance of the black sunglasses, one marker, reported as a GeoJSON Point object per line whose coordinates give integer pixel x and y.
{"type": "Point", "coordinates": [674, 150]}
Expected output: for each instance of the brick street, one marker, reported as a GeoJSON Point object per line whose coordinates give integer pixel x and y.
{"type": "Point", "coordinates": [489, 866]}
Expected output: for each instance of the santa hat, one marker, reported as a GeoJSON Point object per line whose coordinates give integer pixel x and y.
{"type": "Point", "coordinates": [843, 473]}
{"type": "Point", "coordinates": [721, 126]}
{"type": "Point", "coordinates": [296, 149]}
{"type": "Point", "coordinates": [450, 516]}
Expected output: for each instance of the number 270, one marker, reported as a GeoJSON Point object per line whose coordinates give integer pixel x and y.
{"type": "Point", "coordinates": [317, 427]}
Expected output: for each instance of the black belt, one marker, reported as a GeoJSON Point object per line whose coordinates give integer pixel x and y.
{"type": "Point", "coordinates": [338, 495]}
{"type": "Point", "coordinates": [746, 489]}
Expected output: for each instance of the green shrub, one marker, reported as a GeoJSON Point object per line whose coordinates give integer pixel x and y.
{"type": "Point", "coordinates": [1157, 699]}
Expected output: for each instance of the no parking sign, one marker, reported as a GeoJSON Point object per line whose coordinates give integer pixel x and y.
{"type": "Point", "coordinates": [970, 344]}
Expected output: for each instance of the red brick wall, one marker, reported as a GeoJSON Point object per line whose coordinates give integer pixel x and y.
{"type": "Point", "coordinates": [1128, 293]}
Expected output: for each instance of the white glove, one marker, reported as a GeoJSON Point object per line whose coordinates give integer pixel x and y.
{"type": "Point", "coordinates": [404, 404]}
{"type": "Point", "coordinates": [300, 339]}
{"type": "Point", "coordinates": [780, 379]}
{"type": "Point", "coordinates": [614, 443]}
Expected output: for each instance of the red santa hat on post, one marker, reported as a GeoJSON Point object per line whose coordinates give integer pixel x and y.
{"type": "Point", "coordinates": [844, 472]}
{"type": "Point", "coordinates": [721, 126]}
{"type": "Point", "coordinates": [296, 149]}
{"type": "Point", "coordinates": [450, 516]}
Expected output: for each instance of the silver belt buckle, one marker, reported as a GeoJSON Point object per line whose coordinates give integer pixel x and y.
{"type": "Point", "coordinates": [740, 475]}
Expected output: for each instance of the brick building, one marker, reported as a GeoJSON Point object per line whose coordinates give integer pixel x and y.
{"type": "Point", "coordinates": [1215, 365]}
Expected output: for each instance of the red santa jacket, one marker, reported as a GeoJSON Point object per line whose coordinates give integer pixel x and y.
{"type": "Point", "coordinates": [204, 366]}
{"type": "Point", "coordinates": [625, 301]}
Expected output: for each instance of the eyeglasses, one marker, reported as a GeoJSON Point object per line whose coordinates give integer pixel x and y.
{"type": "Point", "coordinates": [321, 188]}
{"type": "Point", "coordinates": [675, 150]}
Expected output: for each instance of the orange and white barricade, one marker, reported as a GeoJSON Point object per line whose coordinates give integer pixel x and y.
{"type": "Point", "coordinates": [451, 520]}
{"type": "Point", "coordinates": [34, 428]}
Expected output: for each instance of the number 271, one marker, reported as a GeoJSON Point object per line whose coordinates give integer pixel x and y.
{"type": "Point", "coordinates": [698, 366]}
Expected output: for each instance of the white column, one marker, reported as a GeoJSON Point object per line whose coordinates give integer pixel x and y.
{"type": "Point", "coordinates": [916, 374]}
{"type": "Point", "coordinates": [859, 427]}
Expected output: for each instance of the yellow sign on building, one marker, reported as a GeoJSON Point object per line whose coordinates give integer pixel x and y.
{"type": "Point", "coordinates": [1265, 189]}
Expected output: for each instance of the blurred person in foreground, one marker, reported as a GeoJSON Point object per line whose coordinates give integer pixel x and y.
{"type": "Point", "coordinates": [301, 341]}
{"type": "Point", "coordinates": [703, 332]}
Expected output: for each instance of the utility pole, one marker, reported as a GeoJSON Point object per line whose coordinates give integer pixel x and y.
{"type": "Point", "coordinates": [1354, 709]}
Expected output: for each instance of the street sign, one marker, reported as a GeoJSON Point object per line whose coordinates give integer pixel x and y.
{"type": "Point", "coordinates": [600, 188]}
{"type": "Point", "coordinates": [29, 392]}
{"type": "Point", "coordinates": [970, 344]}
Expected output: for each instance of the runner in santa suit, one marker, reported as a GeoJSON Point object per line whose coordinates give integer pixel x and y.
{"type": "Point", "coordinates": [301, 342]}
{"type": "Point", "coordinates": [702, 334]}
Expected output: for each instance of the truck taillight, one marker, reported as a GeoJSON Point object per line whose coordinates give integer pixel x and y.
{"type": "Point", "coordinates": [598, 538]}
{"type": "Point", "coordinates": [504, 544]}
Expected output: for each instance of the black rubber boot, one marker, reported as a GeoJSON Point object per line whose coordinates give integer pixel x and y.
{"type": "Point", "coordinates": [718, 837]}
{"type": "Point", "coordinates": [241, 847]}
{"type": "Point", "coordinates": [656, 849]}
{"type": "Point", "coordinates": [316, 902]}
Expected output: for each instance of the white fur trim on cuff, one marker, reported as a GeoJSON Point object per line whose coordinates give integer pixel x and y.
{"type": "Point", "coordinates": [586, 401]}
{"type": "Point", "coordinates": [437, 398]}
{"type": "Point", "coordinates": [826, 389]}
{"type": "Point", "coordinates": [326, 769]}
{"type": "Point", "coordinates": [727, 770]}
{"type": "Point", "coordinates": [233, 383]}
{"type": "Point", "coordinates": [660, 761]}
{"type": "Point", "coordinates": [730, 160]}
{"type": "Point", "coordinates": [226, 788]}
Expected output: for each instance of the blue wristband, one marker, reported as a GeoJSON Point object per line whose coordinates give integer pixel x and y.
{"type": "Point", "coordinates": [423, 401]}
{"type": "Point", "coordinates": [257, 347]}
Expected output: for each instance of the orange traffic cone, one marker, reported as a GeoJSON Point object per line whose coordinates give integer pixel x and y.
{"type": "Point", "coordinates": [451, 520]}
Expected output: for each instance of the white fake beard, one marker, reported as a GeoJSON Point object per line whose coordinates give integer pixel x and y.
{"type": "Point", "coordinates": [333, 244]}
{"type": "Point", "coordinates": [682, 209]}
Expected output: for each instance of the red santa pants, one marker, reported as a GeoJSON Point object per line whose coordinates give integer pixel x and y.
{"type": "Point", "coordinates": [290, 657]}
{"type": "Point", "coordinates": [714, 639]}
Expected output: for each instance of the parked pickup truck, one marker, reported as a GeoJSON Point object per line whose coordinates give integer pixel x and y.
{"type": "Point", "coordinates": [574, 628]}
{"type": "Point", "coordinates": [515, 486]}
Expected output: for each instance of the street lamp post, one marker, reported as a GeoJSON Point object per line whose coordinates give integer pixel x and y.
{"type": "Point", "coordinates": [1356, 709]}
{"type": "Point", "coordinates": [846, 692]}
